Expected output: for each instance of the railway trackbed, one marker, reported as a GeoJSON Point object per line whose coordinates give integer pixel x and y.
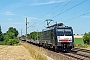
{"type": "Point", "coordinates": [81, 54]}
{"type": "Point", "coordinates": [78, 54]}
{"type": "Point", "coordinates": [74, 54]}
{"type": "Point", "coordinates": [83, 50]}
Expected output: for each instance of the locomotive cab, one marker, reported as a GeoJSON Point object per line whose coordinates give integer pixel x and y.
{"type": "Point", "coordinates": [64, 38]}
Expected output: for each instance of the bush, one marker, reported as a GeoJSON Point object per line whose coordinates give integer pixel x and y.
{"type": "Point", "coordinates": [12, 41]}
{"type": "Point", "coordinates": [86, 38]}
{"type": "Point", "coordinates": [2, 43]}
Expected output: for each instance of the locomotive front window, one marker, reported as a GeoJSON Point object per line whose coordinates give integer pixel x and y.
{"type": "Point", "coordinates": [62, 32]}
{"type": "Point", "coordinates": [68, 32]}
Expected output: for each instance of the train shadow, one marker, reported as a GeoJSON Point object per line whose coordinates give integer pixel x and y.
{"type": "Point", "coordinates": [62, 51]}
{"type": "Point", "coordinates": [72, 51]}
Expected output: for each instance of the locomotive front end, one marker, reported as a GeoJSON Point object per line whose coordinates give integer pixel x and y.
{"type": "Point", "coordinates": [65, 38]}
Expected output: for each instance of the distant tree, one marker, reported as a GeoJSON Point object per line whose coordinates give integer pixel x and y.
{"type": "Point", "coordinates": [86, 38]}
{"type": "Point", "coordinates": [1, 35]}
{"type": "Point", "coordinates": [28, 36]}
{"type": "Point", "coordinates": [23, 36]}
{"type": "Point", "coordinates": [35, 35]}
{"type": "Point", "coordinates": [10, 37]}
{"type": "Point", "coordinates": [13, 30]}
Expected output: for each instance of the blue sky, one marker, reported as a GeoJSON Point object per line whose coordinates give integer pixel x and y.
{"type": "Point", "coordinates": [75, 13]}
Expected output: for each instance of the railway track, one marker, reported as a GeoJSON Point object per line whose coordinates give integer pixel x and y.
{"type": "Point", "coordinates": [75, 54]}
{"type": "Point", "coordinates": [81, 54]}
{"type": "Point", "coordinates": [78, 55]}
{"type": "Point", "coordinates": [83, 50]}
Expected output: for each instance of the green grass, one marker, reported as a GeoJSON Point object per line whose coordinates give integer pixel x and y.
{"type": "Point", "coordinates": [78, 41]}
{"type": "Point", "coordinates": [2, 43]}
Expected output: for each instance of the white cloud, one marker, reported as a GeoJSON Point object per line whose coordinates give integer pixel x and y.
{"type": "Point", "coordinates": [8, 13]}
{"type": "Point", "coordinates": [50, 2]}
{"type": "Point", "coordinates": [31, 18]}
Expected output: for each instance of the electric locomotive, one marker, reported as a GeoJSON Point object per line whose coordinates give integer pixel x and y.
{"type": "Point", "coordinates": [57, 36]}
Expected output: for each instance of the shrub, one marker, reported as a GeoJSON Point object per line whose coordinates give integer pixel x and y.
{"type": "Point", "coordinates": [12, 41]}
{"type": "Point", "coordinates": [2, 43]}
{"type": "Point", "coordinates": [86, 38]}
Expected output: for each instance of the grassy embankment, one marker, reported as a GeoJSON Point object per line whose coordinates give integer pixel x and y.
{"type": "Point", "coordinates": [34, 51]}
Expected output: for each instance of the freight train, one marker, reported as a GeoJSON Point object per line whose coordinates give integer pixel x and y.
{"type": "Point", "coordinates": [57, 36]}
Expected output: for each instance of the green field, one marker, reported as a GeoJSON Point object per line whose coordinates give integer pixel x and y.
{"type": "Point", "coordinates": [78, 41]}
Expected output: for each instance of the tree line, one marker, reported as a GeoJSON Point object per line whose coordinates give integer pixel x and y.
{"type": "Point", "coordinates": [10, 37]}
{"type": "Point", "coordinates": [33, 35]}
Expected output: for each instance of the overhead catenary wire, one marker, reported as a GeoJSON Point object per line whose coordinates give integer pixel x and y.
{"type": "Point", "coordinates": [61, 12]}
{"type": "Point", "coordinates": [32, 24]}
{"type": "Point", "coordinates": [63, 7]}
{"type": "Point", "coordinates": [70, 8]}
{"type": "Point", "coordinates": [76, 12]}
{"type": "Point", "coordinates": [87, 10]}
{"type": "Point", "coordinates": [49, 12]}
{"type": "Point", "coordinates": [77, 16]}
{"type": "Point", "coordinates": [54, 8]}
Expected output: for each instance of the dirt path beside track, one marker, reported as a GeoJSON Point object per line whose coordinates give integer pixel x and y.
{"type": "Point", "coordinates": [14, 53]}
